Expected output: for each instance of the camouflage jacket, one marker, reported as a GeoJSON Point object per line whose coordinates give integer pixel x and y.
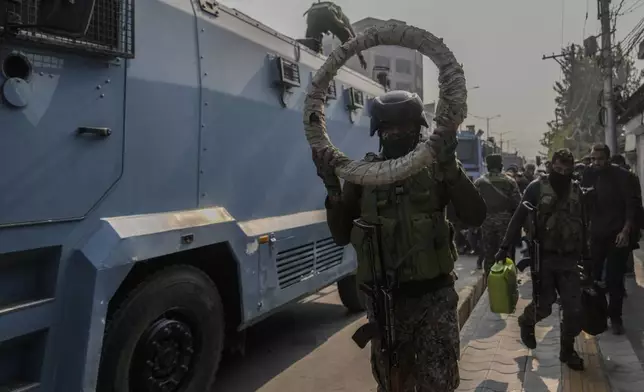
{"type": "Point", "coordinates": [500, 192]}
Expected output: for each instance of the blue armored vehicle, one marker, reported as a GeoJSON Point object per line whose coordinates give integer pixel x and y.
{"type": "Point", "coordinates": [157, 195]}
{"type": "Point", "coordinates": [470, 152]}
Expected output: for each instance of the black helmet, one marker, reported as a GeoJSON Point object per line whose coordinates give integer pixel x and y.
{"type": "Point", "coordinates": [396, 107]}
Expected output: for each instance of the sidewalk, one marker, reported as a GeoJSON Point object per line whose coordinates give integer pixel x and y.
{"type": "Point", "coordinates": [494, 359]}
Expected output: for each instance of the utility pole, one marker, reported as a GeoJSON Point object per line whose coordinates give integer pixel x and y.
{"type": "Point", "coordinates": [554, 57]}
{"type": "Point", "coordinates": [487, 122]}
{"type": "Point", "coordinates": [607, 67]}
{"type": "Point", "coordinates": [500, 135]}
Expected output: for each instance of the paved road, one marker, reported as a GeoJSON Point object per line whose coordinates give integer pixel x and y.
{"type": "Point", "coordinates": [308, 347]}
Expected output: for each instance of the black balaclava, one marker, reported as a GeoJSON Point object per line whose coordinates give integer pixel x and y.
{"type": "Point", "coordinates": [400, 143]}
{"type": "Point", "coordinates": [560, 182]}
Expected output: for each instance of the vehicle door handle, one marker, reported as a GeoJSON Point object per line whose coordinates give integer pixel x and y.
{"type": "Point", "coordinates": [96, 131]}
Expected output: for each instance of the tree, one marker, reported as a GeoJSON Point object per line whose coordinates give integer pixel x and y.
{"type": "Point", "coordinates": [578, 103]}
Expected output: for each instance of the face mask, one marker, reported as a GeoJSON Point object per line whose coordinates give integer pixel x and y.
{"type": "Point", "coordinates": [559, 182]}
{"type": "Point", "coordinates": [399, 144]}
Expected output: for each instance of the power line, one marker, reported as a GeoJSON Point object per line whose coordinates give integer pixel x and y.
{"type": "Point", "coordinates": [634, 7]}
{"type": "Point", "coordinates": [583, 31]}
{"type": "Point", "coordinates": [630, 40]}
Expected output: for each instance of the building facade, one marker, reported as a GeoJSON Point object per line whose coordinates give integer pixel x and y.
{"type": "Point", "coordinates": [631, 121]}
{"type": "Point", "coordinates": [405, 65]}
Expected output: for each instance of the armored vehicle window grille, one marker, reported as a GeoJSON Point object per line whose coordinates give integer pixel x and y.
{"type": "Point", "coordinates": [290, 72]}
{"type": "Point", "coordinates": [302, 262]}
{"type": "Point", "coordinates": [110, 32]}
{"type": "Point", "coordinates": [358, 97]}
{"type": "Point", "coordinates": [294, 264]}
{"type": "Point", "coordinates": [327, 254]}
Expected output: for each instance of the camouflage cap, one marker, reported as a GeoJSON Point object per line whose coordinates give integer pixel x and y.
{"type": "Point", "coordinates": [494, 160]}
{"type": "Point", "coordinates": [564, 156]}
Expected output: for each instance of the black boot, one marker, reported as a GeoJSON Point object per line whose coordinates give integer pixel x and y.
{"type": "Point", "coordinates": [527, 333]}
{"type": "Point", "coordinates": [569, 356]}
{"type": "Point", "coordinates": [617, 326]}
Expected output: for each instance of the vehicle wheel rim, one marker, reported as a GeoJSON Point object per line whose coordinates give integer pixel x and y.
{"type": "Point", "coordinates": [164, 356]}
{"type": "Point", "coordinates": [451, 109]}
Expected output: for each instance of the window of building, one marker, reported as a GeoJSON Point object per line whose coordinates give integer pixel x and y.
{"type": "Point", "coordinates": [403, 86]}
{"type": "Point", "coordinates": [403, 66]}
{"type": "Point", "coordinates": [381, 61]}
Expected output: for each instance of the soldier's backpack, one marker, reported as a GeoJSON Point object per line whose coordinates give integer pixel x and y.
{"type": "Point", "coordinates": [594, 309]}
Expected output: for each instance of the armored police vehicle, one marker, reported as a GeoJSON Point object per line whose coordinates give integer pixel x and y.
{"type": "Point", "coordinates": [157, 194]}
{"type": "Point", "coordinates": [470, 152]}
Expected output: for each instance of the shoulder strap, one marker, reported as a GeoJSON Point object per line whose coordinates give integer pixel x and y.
{"type": "Point", "coordinates": [487, 180]}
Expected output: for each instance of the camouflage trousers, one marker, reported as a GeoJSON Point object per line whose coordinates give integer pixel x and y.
{"type": "Point", "coordinates": [492, 233]}
{"type": "Point", "coordinates": [558, 276]}
{"type": "Point", "coordinates": [428, 346]}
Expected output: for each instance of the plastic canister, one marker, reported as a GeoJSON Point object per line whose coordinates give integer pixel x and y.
{"type": "Point", "coordinates": [502, 287]}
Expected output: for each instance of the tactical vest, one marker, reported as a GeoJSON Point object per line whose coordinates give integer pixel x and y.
{"type": "Point", "coordinates": [560, 222]}
{"type": "Point", "coordinates": [417, 240]}
{"type": "Point", "coordinates": [496, 189]}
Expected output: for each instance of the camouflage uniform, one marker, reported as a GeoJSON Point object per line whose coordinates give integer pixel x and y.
{"type": "Point", "coordinates": [426, 320]}
{"type": "Point", "coordinates": [501, 194]}
{"type": "Point", "coordinates": [434, 353]}
{"type": "Point", "coordinates": [324, 17]}
{"type": "Point", "coordinates": [416, 248]}
{"type": "Point", "coordinates": [560, 230]}
{"type": "Point", "coordinates": [561, 227]}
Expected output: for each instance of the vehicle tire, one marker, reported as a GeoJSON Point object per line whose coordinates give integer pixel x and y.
{"type": "Point", "coordinates": [350, 295]}
{"type": "Point", "coordinates": [166, 336]}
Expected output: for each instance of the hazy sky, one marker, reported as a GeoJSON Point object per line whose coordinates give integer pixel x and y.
{"type": "Point", "coordinates": [499, 42]}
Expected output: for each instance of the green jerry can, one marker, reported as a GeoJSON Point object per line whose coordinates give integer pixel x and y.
{"type": "Point", "coordinates": [502, 287]}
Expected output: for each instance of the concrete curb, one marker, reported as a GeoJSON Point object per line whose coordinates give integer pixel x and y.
{"type": "Point", "coordinates": [468, 297]}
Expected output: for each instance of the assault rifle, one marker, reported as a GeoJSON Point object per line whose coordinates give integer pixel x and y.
{"type": "Point", "coordinates": [380, 292]}
{"type": "Point", "coordinates": [534, 250]}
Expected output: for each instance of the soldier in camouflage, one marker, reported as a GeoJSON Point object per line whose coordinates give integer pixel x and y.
{"type": "Point", "coordinates": [327, 17]}
{"type": "Point", "coordinates": [501, 195]}
{"type": "Point", "coordinates": [417, 243]}
{"type": "Point", "coordinates": [560, 222]}
{"type": "Point", "coordinates": [527, 176]}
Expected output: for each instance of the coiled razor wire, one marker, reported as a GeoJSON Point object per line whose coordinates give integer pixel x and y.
{"type": "Point", "coordinates": [450, 112]}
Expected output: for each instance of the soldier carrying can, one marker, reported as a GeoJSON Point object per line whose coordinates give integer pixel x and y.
{"type": "Point", "coordinates": [559, 207]}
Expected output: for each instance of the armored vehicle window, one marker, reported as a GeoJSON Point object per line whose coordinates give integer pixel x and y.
{"type": "Point", "coordinates": [110, 31]}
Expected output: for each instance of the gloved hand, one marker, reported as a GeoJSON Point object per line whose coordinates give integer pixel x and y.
{"type": "Point", "coordinates": [501, 255]}
{"type": "Point", "coordinates": [324, 161]}
{"type": "Point", "coordinates": [443, 141]}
